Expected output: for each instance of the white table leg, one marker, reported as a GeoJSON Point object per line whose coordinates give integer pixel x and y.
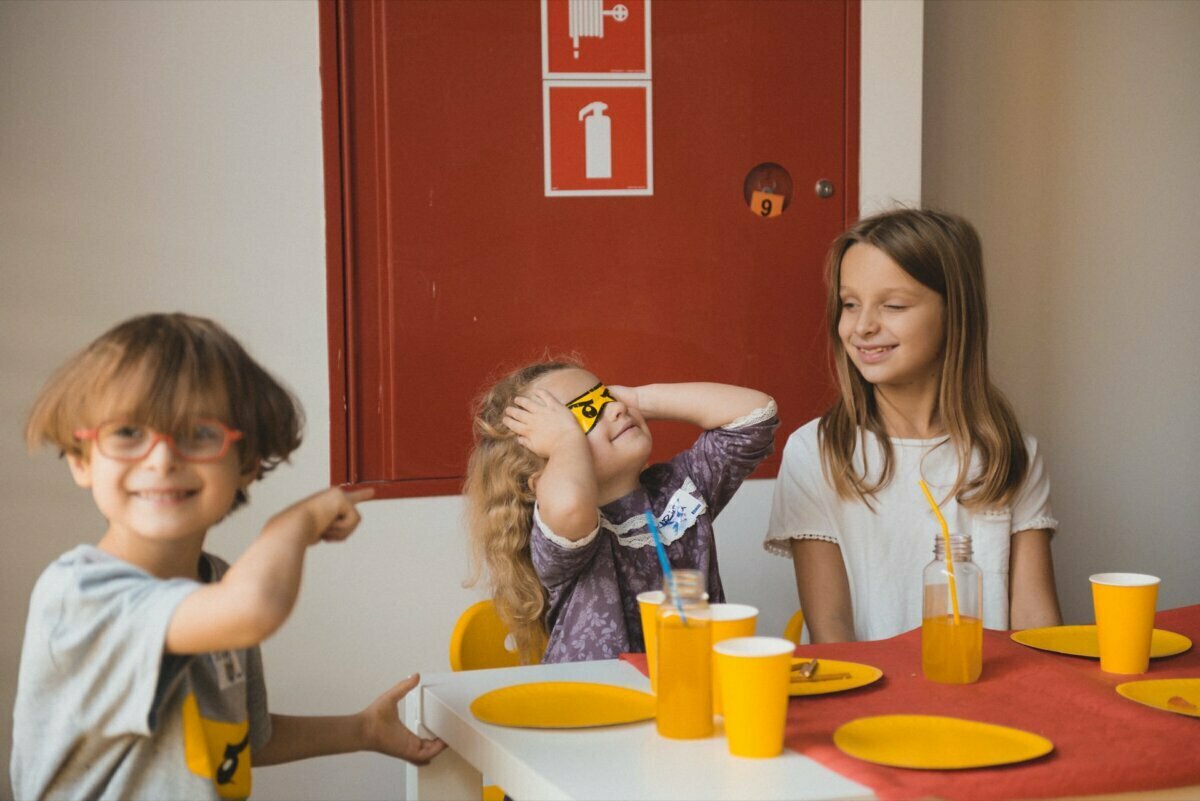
{"type": "Point", "coordinates": [448, 777]}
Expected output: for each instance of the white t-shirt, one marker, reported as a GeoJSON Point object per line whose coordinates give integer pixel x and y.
{"type": "Point", "coordinates": [885, 551]}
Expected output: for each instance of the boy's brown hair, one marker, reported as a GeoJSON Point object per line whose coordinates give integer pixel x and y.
{"type": "Point", "coordinates": [165, 370]}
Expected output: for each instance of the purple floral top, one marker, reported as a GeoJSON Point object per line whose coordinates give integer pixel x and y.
{"type": "Point", "coordinates": [593, 583]}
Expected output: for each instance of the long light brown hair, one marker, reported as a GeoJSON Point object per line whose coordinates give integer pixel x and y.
{"type": "Point", "coordinates": [500, 502]}
{"type": "Point", "coordinates": [941, 251]}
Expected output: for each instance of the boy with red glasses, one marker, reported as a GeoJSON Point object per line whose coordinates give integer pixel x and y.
{"type": "Point", "coordinates": [140, 673]}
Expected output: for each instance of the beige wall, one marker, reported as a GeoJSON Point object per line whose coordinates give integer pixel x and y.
{"type": "Point", "coordinates": [890, 104]}
{"type": "Point", "coordinates": [1068, 132]}
{"type": "Point", "coordinates": [167, 155]}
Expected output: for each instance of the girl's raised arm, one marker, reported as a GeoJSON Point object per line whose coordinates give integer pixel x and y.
{"type": "Point", "coordinates": [705, 405]}
{"type": "Point", "coordinates": [566, 489]}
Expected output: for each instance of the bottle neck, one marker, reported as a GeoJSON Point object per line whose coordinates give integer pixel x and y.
{"type": "Point", "coordinates": [960, 547]}
{"type": "Point", "coordinates": [685, 586]}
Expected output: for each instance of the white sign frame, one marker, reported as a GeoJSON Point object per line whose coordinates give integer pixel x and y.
{"type": "Point", "coordinates": [591, 76]}
{"type": "Point", "coordinates": [648, 190]}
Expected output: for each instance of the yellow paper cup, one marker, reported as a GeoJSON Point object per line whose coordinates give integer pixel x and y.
{"type": "Point", "coordinates": [755, 672]}
{"type": "Point", "coordinates": [648, 603]}
{"type": "Point", "coordinates": [1124, 606]}
{"type": "Point", "coordinates": [729, 621]}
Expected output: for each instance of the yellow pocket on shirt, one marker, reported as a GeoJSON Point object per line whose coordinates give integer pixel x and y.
{"type": "Point", "coordinates": [217, 750]}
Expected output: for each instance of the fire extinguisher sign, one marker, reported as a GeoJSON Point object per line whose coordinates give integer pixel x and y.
{"type": "Point", "coordinates": [596, 39]}
{"type": "Point", "coordinates": [597, 138]}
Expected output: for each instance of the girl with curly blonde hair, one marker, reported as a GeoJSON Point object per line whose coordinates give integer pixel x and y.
{"type": "Point", "coordinates": [557, 490]}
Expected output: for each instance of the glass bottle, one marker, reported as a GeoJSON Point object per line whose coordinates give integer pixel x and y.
{"type": "Point", "coordinates": [684, 658]}
{"type": "Point", "coordinates": [952, 646]}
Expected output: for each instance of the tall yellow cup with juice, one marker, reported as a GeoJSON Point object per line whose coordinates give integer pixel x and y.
{"type": "Point", "coordinates": [684, 644]}
{"type": "Point", "coordinates": [648, 603]}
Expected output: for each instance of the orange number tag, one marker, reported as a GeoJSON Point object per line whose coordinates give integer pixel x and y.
{"type": "Point", "coordinates": [765, 204]}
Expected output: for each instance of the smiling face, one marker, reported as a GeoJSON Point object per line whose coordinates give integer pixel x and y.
{"type": "Point", "coordinates": [620, 440]}
{"type": "Point", "coordinates": [159, 498]}
{"type": "Point", "coordinates": [891, 325]}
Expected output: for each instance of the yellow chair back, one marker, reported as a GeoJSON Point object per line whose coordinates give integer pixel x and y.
{"type": "Point", "coordinates": [479, 640]}
{"type": "Point", "coordinates": [792, 630]}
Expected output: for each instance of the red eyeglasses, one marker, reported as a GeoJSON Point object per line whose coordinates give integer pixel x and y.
{"type": "Point", "coordinates": [202, 441]}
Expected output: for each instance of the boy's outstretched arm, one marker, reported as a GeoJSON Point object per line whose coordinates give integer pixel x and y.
{"type": "Point", "coordinates": [377, 728]}
{"type": "Point", "coordinates": [257, 593]}
{"type": "Point", "coordinates": [705, 405]}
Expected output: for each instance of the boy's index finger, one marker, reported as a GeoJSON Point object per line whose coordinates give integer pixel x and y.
{"type": "Point", "coordinates": [359, 495]}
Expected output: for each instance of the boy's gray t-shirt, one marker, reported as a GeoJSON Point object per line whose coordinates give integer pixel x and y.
{"type": "Point", "coordinates": [102, 711]}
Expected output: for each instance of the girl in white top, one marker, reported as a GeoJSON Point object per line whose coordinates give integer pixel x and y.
{"type": "Point", "coordinates": [907, 322]}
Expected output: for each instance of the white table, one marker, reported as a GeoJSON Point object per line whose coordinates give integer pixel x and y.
{"type": "Point", "coordinates": [615, 762]}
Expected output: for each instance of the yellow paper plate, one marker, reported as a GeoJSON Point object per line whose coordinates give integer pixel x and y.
{"type": "Point", "coordinates": [860, 676]}
{"type": "Point", "coordinates": [930, 742]}
{"type": "Point", "coordinates": [563, 705]}
{"type": "Point", "coordinates": [1181, 696]}
{"type": "Point", "coordinates": [1081, 641]}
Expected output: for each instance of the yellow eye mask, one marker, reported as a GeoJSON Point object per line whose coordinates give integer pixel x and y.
{"type": "Point", "coordinates": [587, 407]}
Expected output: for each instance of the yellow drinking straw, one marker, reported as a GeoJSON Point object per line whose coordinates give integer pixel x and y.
{"type": "Point", "coordinates": [949, 558]}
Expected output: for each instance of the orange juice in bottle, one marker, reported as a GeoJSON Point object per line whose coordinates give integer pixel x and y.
{"type": "Point", "coordinates": [952, 653]}
{"type": "Point", "coordinates": [952, 619]}
{"type": "Point", "coordinates": [684, 659]}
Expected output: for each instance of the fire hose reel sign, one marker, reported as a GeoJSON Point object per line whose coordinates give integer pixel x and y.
{"type": "Point", "coordinates": [596, 38]}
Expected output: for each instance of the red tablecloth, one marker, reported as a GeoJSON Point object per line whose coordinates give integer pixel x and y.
{"type": "Point", "coordinates": [1103, 743]}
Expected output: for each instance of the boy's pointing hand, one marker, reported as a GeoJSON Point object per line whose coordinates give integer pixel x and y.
{"type": "Point", "coordinates": [335, 513]}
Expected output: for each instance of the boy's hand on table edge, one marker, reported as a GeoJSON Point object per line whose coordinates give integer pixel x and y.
{"type": "Point", "coordinates": [386, 733]}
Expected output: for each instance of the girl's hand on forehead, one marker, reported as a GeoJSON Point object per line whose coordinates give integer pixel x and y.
{"type": "Point", "coordinates": [626, 395]}
{"type": "Point", "coordinates": [542, 422]}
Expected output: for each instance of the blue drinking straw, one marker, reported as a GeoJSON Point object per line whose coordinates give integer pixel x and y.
{"type": "Point", "coordinates": [662, 560]}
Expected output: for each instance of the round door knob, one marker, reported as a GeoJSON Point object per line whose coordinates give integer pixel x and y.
{"type": "Point", "coordinates": [824, 189]}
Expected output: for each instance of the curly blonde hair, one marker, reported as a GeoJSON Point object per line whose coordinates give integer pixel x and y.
{"type": "Point", "coordinates": [500, 510]}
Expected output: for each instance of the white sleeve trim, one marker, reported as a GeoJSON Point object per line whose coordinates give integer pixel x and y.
{"type": "Point", "coordinates": [757, 416]}
{"type": "Point", "coordinates": [563, 542]}
{"type": "Point", "coordinates": [778, 544]}
{"type": "Point", "coordinates": [1037, 523]}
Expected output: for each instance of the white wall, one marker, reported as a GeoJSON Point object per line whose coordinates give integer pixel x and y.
{"type": "Point", "coordinates": [167, 156]}
{"type": "Point", "coordinates": [1067, 132]}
